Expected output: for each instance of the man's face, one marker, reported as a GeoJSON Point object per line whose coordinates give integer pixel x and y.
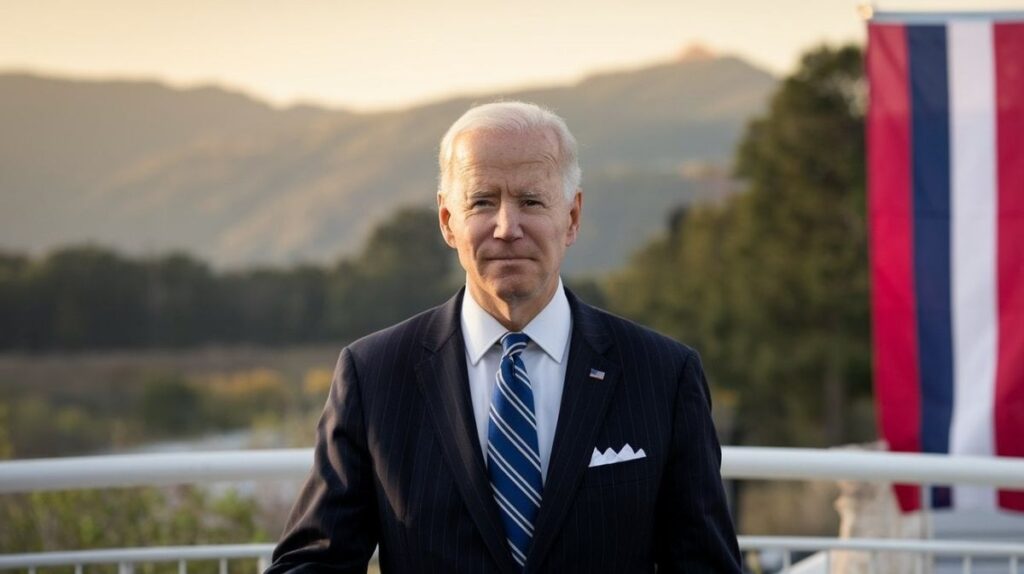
{"type": "Point", "coordinates": [506, 214]}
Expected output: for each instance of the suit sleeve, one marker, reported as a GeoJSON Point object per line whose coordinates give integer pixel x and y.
{"type": "Point", "coordinates": [694, 532]}
{"type": "Point", "coordinates": [333, 526]}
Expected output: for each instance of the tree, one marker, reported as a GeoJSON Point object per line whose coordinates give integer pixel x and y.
{"type": "Point", "coordinates": [405, 268]}
{"type": "Point", "coordinates": [88, 296]}
{"type": "Point", "coordinates": [771, 286]}
{"type": "Point", "coordinates": [13, 298]}
{"type": "Point", "coordinates": [181, 298]}
{"type": "Point", "coordinates": [801, 241]}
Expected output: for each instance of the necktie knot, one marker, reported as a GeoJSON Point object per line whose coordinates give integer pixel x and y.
{"type": "Point", "coordinates": [513, 343]}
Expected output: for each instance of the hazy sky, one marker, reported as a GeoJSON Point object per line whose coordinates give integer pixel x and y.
{"type": "Point", "coordinates": [368, 54]}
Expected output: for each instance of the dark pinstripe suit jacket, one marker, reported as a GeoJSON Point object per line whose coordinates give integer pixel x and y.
{"type": "Point", "coordinates": [398, 462]}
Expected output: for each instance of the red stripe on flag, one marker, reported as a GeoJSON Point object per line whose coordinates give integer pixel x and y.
{"type": "Point", "coordinates": [893, 307]}
{"type": "Point", "coordinates": [1009, 399]}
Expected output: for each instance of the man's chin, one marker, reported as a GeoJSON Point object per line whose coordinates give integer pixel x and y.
{"type": "Point", "coordinates": [514, 292]}
{"type": "Point", "coordinates": [517, 292]}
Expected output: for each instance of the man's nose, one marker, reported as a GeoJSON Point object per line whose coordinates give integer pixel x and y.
{"type": "Point", "coordinates": [507, 225]}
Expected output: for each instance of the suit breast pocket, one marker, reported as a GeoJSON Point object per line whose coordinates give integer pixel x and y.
{"type": "Point", "coordinates": [620, 473]}
{"type": "Point", "coordinates": [615, 509]}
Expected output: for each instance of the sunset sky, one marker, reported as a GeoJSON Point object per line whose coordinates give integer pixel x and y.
{"type": "Point", "coordinates": [372, 54]}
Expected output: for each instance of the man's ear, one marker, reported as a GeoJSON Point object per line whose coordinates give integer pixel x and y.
{"type": "Point", "coordinates": [444, 216]}
{"type": "Point", "coordinates": [575, 212]}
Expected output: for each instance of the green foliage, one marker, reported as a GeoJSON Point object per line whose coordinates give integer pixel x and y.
{"type": "Point", "coordinates": [182, 301]}
{"type": "Point", "coordinates": [771, 286]}
{"type": "Point", "coordinates": [34, 426]}
{"type": "Point", "coordinates": [80, 519]}
{"type": "Point", "coordinates": [6, 442]}
{"type": "Point", "coordinates": [169, 406]}
{"type": "Point", "coordinates": [130, 517]}
{"type": "Point", "coordinates": [91, 298]}
{"type": "Point", "coordinates": [245, 398]}
{"type": "Point", "coordinates": [86, 296]}
{"type": "Point", "coordinates": [160, 407]}
{"type": "Point", "coordinates": [273, 306]}
{"type": "Point", "coordinates": [405, 268]}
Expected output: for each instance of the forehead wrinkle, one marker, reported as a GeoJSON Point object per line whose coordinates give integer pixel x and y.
{"type": "Point", "coordinates": [543, 151]}
{"type": "Point", "coordinates": [473, 172]}
{"type": "Point", "coordinates": [463, 167]}
{"type": "Point", "coordinates": [504, 167]}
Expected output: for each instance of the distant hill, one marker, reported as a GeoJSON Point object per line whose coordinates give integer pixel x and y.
{"type": "Point", "coordinates": [144, 168]}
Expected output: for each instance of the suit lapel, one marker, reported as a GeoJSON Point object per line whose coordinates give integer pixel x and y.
{"type": "Point", "coordinates": [444, 382]}
{"type": "Point", "coordinates": [585, 401]}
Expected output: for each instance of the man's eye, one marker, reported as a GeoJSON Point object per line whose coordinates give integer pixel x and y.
{"type": "Point", "coordinates": [532, 203]}
{"type": "Point", "coordinates": [474, 203]}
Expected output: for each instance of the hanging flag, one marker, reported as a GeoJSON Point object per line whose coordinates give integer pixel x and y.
{"type": "Point", "coordinates": [946, 215]}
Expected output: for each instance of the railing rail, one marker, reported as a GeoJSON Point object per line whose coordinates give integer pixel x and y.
{"type": "Point", "coordinates": [965, 550]}
{"type": "Point", "coordinates": [936, 547]}
{"type": "Point", "coordinates": [165, 469]}
{"type": "Point", "coordinates": [113, 471]}
{"type": "Point", "coordinates": [135, 555]}
{"type": "Point", "coordinates": [127, 557]}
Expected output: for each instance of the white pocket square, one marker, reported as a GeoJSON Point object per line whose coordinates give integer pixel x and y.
{"type": "Point", "coordinates": [611, 457]}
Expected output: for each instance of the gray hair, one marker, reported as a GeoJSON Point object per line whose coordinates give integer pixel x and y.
{"type": "Point", "coordinates": [513, 117]}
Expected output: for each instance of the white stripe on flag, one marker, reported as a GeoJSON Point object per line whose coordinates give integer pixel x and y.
{"type": "Point", "coordinates": [973, 238]}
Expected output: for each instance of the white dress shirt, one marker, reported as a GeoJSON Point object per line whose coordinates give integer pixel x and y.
{"type": "Point", "coordinates": [545, 359]}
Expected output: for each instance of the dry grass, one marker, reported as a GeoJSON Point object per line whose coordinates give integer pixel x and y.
{"type": "Point", "coordinates": [789, 508]}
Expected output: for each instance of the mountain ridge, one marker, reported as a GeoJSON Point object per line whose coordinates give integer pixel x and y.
{"type": "Point", "coordinates": [144, 167]}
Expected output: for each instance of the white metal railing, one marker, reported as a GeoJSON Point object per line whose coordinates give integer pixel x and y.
{"type": "Point", "coordinates": [966, 551]}
{"type": "Point", "coordinates": [127, 558]}
{"type": "Point", "coordinates": [112, 471]}
{"type": "Point", "coordinates": [121, 470]}
{"type": "Point", "coordinates": [737, 463]}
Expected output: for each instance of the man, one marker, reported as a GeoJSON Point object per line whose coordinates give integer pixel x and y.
{"type": "Point", "coordinates": [513, 428]}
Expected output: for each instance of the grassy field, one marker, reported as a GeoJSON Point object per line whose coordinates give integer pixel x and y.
{"type": "Point", "coordinates": [89, 372]}
{"type": "Point", "coordinates": [68, 404]}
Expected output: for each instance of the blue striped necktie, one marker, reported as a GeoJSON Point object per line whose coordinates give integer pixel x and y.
{"type": "Point", "coordinates": [512, 453]}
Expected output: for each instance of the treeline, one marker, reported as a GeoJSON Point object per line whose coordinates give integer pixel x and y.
{"type": "Point", "coordinates": [87, 297]}
{"type": "Point", "coordinates": [771, 286]}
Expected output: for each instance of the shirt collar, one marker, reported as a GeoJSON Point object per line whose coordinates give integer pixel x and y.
{"type": "Point", "coordinates": [550, 329]}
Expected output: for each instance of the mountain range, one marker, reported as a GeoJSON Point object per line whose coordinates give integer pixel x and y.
{"type": "Point", "coordinates": [146, 168]}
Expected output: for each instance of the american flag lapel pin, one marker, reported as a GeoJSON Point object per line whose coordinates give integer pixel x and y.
{"type": "Point", "coordinates": [596, 374]}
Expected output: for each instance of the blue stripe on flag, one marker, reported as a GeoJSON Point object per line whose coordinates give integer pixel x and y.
{"type": "Point", "coordinates": [929, 88]}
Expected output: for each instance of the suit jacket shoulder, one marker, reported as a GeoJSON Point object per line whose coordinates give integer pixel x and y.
{"type": "Point", "coordinates": [411, 333]}
{"type": "Point", "coordinates": [638, 343]}
{"type": "Point", "coordinates": [391, 355]}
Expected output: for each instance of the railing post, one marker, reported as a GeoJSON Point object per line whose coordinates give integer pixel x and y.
{"type": "Point", "coordinates": [262, 563]}
{"type": "Point", "coordinates": [125, 568]}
